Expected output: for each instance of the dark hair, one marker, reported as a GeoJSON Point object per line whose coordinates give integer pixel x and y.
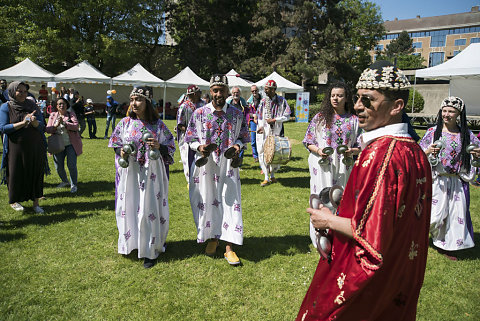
{"type": "Point", "coordinates": [326, 110]}
{"type": "Point", "coordinates": [396, 94]}
{"type": "Point", "coordinates": [61, 98]}
{"type": "Point", "coordinates": [464, 136]}
{"type": "Point", "coordinates": [151, 116]}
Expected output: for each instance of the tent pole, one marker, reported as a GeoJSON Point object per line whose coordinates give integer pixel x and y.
{"type": "Point", "coordinates": [164, 97]}
{"type": "Point", "coordinates": [413, 96]}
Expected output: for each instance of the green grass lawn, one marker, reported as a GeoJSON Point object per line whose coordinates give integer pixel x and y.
{"type": "Point", "coordinates": [64, 265]}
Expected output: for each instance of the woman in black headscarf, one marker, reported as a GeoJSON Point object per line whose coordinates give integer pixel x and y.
{"type": "Point", "coordinates": [23, 160]}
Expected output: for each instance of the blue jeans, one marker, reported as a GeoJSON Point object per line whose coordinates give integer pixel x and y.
{"type": "Point", "coordinates": [113, 118]}
{"type": "Point", "coordinates": [59, 160]}
{"type": "Point", "coordinates": [253, 137]}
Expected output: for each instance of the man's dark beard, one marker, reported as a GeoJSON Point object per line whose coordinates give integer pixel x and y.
{"type": "Point", "coordinates": [219, 101]}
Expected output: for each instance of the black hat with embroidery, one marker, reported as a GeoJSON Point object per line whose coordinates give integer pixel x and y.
{"type": "Point", "coordinates": [218, 80]}
{"type": "Point", "coordinates": [384, 75]}
{"type": "Point", "coordinates": [142, 92]}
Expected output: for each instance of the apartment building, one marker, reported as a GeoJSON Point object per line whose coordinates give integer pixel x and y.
{"type": "Point", "coordinates": [438, 38]}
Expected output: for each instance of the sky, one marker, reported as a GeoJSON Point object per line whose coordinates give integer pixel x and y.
{"type": "Point", "coordinates": [409, 9]}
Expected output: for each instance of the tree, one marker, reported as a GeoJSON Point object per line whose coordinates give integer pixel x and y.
{"type": "Point", "coordinates": [211, 35]}
{"type": "Point", "coordinates": [61, 33]}
{"type": "Point", "coordinates": [333, 36]}
{"type": "Point", "coordinates": [403, 45]}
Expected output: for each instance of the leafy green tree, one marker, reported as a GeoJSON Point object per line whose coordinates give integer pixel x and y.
{"type": "Point", "coordinates": [210, 35]}
{"type": "Point", "coordinates": [417, 105]}
{"type": "Point", "coordinates": [112, 35]}
{"type": "Point", "coordinates": [334, 37]}
{"type": "Point", "coordinates": [403, 45]}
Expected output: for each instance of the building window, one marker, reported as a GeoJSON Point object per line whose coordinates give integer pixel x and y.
{"type": "Point", "coordinates": [379, 47]}
{"type": "Point", "coordinates": [474, 40]}
{"type": "Point", "coordinates": [456, 52]}
{"type": "Point", "coordinates": [436, 58]}
{"type": "Point", "coordinates": [460, 42]}
{"type": "Point", "coordinates": [417, 45]}
{"type": "Point", "coordinates": [438, 38]}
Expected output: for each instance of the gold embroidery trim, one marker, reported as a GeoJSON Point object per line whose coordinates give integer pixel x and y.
{"type": "Point", "coordinates": [366, 213]}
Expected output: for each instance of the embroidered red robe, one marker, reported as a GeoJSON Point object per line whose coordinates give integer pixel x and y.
{"type": "Point", "coordinates": [378, 274]}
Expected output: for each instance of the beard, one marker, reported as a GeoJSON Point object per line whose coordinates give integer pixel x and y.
{"type": "Point", "coordinates": [218, 101]}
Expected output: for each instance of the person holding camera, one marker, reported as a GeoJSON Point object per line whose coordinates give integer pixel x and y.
{"type": "Point", "coordinates": [23, 159]}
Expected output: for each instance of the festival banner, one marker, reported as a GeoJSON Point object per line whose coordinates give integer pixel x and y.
{"type": "Point", "coordinates": [302, 107]}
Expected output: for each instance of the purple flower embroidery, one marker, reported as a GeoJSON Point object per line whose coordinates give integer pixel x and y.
{"type": "Point", "coordinates": [162, 220]}
{"type": "Point", "coordinates": [138, 209]}
{"type": "Point", "coordinates": [236, 207]}
{"type": "Point", "coordinates": [315, 171]}
{"type": "Point", "coordinates": [460, 220]}
{"type": "Point", "coordinates": [456, 198]}
{"type": "Point", "coordinates": [196, 180]}
{"type": "Point", "coordinates": [216, 178]}
{"type": "Point", "coordinates": [153, 177]}
{"type": "Point", "coordinates": [208, 224]}
{"type": "Point", "coordinates": [201, 206]}
{"type": "Point", "coordinates": [164, 202]}
{"type": "Point", "coordinates": [142, 186]}
{"type": "Point", "coordinates": [239, 229]}
{"type": "Point", "coordinates": [153, 240]}
{"type": "Point", "coordinates": [230, 173]}
{"type": "Point", "coordinates": [123, 213]}
{"type": "Point", "coordinates": [158, 195]}
{"type": "Point", "coordinates": [127, 235]}
{"type": "Point", "coordinates": [121, 196]}
{"type": "Point", "coordinates": [217, 236]}
{"type": "Point", "coordinates": [434, 201]}
{"type": "Point", "coordinates": [225, 225]}
{"type": "Point", "coordinates": [459, 242]}
{"type": "Point", "coordinates": [152, 217]}
{"type": "Point", "coordinates": [216, 203]}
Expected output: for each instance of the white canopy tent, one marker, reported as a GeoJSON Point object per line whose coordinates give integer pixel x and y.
{"type": "Point", "coordinates": [283, 84]}
{"type": "Point", "coordinates": [463, 71]}
{"type": "Point", "coordinates": [136, 76]}
{"type": "Point", "coordinates": [178, 84]}
{"type": "Point", "coordinates": [234, 79]}
{"type": "Point", "coordinates": [27, 71]}
{"type": "Point", "coordinates": [81, 77]}
{"type": "Point", "coordinates": [83, 72]}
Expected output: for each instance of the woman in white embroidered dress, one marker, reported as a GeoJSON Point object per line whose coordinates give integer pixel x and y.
{"type": "Point", "coordinates": [334, 125]}
{"type": "Point", "coordinates": [141, 207]}
{"type": "Point", "coordinates": [450, 223]}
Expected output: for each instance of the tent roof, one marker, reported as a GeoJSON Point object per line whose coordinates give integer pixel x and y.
{"type": "Point", "coordinates": [138, 76]}
{"type": "Point", "coordinates": [283, 85]}
{"type": "Point", "coordinates": [464, 65]}
{"type": "Point", "coordinates": [235, 80]}
{"type": "Point", "coordinates": [83, 72]}
{"type": "Point", "coordinates": [185, 78]}
{"type": "Point", "coordinates": [26, 70]}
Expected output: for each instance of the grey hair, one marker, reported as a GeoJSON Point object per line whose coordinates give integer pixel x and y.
{"type": "Point", "coordinates": [239, 90]}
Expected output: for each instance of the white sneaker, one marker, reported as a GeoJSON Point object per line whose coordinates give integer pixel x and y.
{"type": "Point", "coordinates": [17, 207]}
{"type": "Point", "coordinates": [37, 209]}
{"type": "Point", "coordinates": [62, 184]}
{"type": "Point", "coordinates": [73, 189]}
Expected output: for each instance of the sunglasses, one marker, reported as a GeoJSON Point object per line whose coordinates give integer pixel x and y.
{"type": "Point", "coordinates": [366, 101]}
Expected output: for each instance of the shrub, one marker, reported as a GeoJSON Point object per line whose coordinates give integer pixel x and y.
{"type": "Point", "coordinates": [419, 102]}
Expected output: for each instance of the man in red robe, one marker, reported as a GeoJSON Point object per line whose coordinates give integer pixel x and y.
{"type": "Point", "coordinates": [380, 232]}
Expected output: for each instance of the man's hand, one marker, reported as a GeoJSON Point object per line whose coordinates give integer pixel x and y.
{"type": "Point", "coordinates": [271, 121]}
{"type": "Point", "coordinates": [320, 218]}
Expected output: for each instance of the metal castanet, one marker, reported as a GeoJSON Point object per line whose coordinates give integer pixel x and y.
{"type": "Point", "coordinates": [329, 197]}
{"type": "Point", "coordinates": [128, 149]}
{"type": "Point", "coordinates": [475, 160]}
{"type": "Point", "coordinates": [202, 161]}
{"type": "Point", "coordinates": [327, 151]}
{"type": "Point", "coordinates": [433, 159]}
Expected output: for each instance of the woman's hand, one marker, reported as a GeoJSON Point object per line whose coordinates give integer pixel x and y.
{"type": "Point", "coordinates": [153, 143]}
{"type": "Point", "coordinates": [432, 149]}
{"type": "Point", "coordinates": [352, 151]}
